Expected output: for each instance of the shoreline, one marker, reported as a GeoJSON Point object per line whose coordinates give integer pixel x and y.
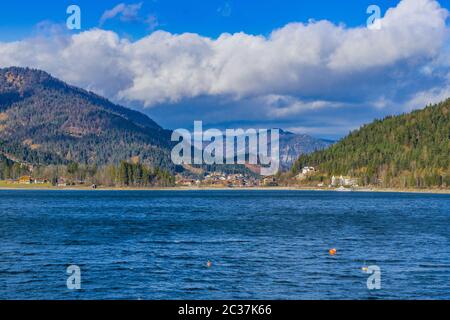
{"type": "Point", "coordinates": [82, 188]}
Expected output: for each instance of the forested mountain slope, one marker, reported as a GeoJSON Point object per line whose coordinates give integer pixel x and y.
{"type": "Point", "coordinates": [43, 121]}
{"type": "Point", "coordinates": [410, 150]}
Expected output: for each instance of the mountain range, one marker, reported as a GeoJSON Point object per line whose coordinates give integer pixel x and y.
{"type": "Point", "coordinates": [45, 121]}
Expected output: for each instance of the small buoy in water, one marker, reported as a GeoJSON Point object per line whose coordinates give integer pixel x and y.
{"type": "Point", "coordinates": [332, 251]}
{"type": "Point", "coordinates": [209, 264]}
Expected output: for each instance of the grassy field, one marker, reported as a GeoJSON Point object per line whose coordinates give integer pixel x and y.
{"type": "Point", "coordinates": [8, 185]}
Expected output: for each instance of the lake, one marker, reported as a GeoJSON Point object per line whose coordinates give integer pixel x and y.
{"type": "Point", "coordinates": [261, 244]}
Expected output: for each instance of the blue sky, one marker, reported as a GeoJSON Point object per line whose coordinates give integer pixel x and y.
{"type": "Point", "coordinates": [209, 18]}
{"type": "Point", "coordinates": [306, 66]}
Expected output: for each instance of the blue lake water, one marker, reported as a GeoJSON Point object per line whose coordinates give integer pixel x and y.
{"type": "Point", "coordinates": [262, 244]}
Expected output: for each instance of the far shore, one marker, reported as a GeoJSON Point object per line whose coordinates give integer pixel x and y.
{"type": "Point", "coordinates": [206, 188]}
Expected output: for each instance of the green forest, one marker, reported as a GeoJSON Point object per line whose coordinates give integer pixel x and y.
{"type": "Point", "coordinates": [406, 151]}
{"type": "Point", "coordinates": [126, 174]}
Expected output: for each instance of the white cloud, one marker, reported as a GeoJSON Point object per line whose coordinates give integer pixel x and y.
{"type": "Point", "coordinates": [305, 66]}
{"type": "Point", "coordinates": [423, 98]}
{"type": "Point", "coordinates": [414, 29]}
{"type": "Point", "coordinates": [330, 131]}
{"type": "Point", "coordinates": [126, 12]}
{"type": "Point", "coordinates": [279, 106]}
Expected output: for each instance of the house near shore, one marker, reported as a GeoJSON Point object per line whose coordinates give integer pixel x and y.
{"type": "Point", "coordinates": [270, 182]}
{"type": "Point", "coordinates": [25, 180]}
{"type": "Point", "coordinates": [306, 171]}
{"type": "Point", "coordinates": [344, 181]}
{"type": "Point", "coordinates": [40, 181]}
{"type": "Point", "coordinates": [186, 182]}
{"type": "Point", "coordinates": [62, 182]}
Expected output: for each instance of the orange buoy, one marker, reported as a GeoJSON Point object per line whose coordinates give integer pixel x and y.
{"type": "Point", "coordinates": [332, 251]}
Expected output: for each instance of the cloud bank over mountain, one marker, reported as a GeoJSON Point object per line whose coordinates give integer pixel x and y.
{"type": "Point", "coordinates": [296, 71]}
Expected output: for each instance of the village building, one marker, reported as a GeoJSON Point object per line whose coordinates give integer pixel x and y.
{"type": "Point", "coordinates": [62, 182]}
{"type": "Point", "coordinates": [344, 181]}
{"type": "Point", "coordinates": [25, 180]}
{"type": "Point", "coordinates": [306, 171]}
{"type": "Point", "coordinates": [219, 180]}
{"type": "Point", "coordinates": [40, 181]}
{"type": "Point", "coordinates": [186, 182]}
{"type": "Point", "coordinates": [270, 182]}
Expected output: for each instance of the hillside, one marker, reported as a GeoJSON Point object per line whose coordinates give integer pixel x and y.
{"type": "Point", "coordinates": [410, 150]}
{"type": "Point", "coordinates": [45, 121]}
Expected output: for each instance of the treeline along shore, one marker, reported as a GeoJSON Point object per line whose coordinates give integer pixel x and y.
{"type": "Point", "coordinates": [126, 174]}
